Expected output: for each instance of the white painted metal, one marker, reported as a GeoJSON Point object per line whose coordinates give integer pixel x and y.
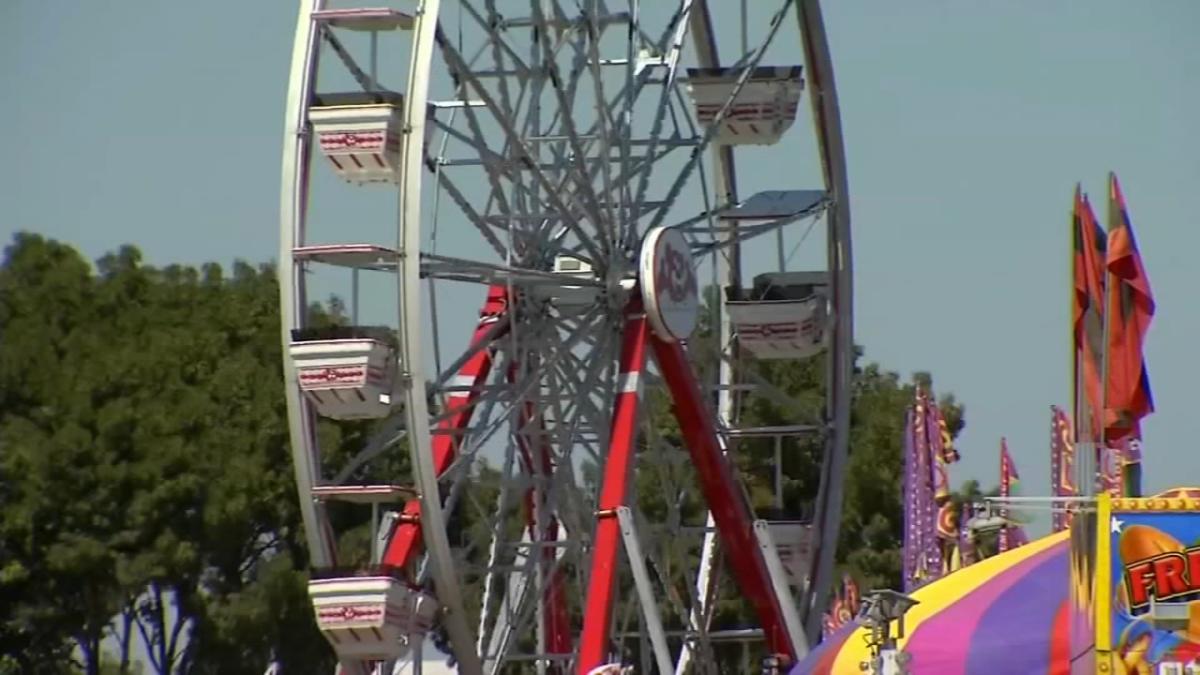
{"type": "Point", "coordinates": [793, 541]}
{"type": "Point", "coordinates": [827, 117]}
{"type": "Point", "coordinates": [362, 494]}
{"type": "Point", "coordinates": [779, 581]}
{"type": "Point", "coordinates": [408, 246]}
{"type": "Point", "coordinates": [371, 19]}
{"type": "Point", "coordinates": [306, 459]}
{"type": "Point", "coordinates": [646, 596]}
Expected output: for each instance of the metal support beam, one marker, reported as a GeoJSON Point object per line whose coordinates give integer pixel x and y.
{"type": "Point", "coordinates": [602, 582]}
{"type": "Point", "coordinates": [779, 581]}
{"type": "Point", "coordinates": [641, 580]}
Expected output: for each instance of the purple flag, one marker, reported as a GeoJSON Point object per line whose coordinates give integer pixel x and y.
{"type": "Point", "coordinates": [911, 500]}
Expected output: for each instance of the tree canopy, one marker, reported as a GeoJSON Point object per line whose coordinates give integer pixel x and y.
{"type": "Point", "coordinates": [146, 491]}
{"type": "Point", "coordinates": [145, 472]}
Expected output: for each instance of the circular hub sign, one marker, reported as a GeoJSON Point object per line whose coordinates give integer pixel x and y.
{"type": "Point", "coordinates": [669, 290]}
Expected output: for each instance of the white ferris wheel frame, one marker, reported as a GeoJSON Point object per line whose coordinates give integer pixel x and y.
{"type": "Point", "coordinates": [294, 197]}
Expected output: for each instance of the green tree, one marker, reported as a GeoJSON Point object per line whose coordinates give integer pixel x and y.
{"type": "Point", "coordinates": [146, 472]}
{"type": "Point", "coordinates": [65, 486]}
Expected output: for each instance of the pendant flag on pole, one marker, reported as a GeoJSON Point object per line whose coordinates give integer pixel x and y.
{"type": "Point", "coordinates": [846, 603]}
{"type": "Point", "coordinates": [1011, 536]}
{"type": "Point", "coordinates": [1088, 315]}
{"type": "Point", "coordinates": [935, 481]}
{"type": "Point", "coordinates": [1131, 307]}
{"type": "Point", "coordinates": [1089, 312]}
{"type": "Point", "coordinates": [930, 561]}
{"type": "Point", "coordinates": [930, 523]}
{"type": "Point", "coordinates": [910, 551]}
{"type": "Point", "coordinates": [1062, 465]}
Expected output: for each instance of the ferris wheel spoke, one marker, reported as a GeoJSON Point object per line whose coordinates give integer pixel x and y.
{"type": "Point", "coordinates": [494, 549]}
{"type": "Point", "coordinates": [584, 408]}
{"type": "Point", "coordinates": [604, 121]}
{"type": "Point", "coordinates": [500, 163]}
{"type": "Point", "coordinates": [493, 228]}
{"type": "Point", "coordinates": [525, 387]}
{"type": "Point", "coordinates": [671, 62]}
{"type": "Point", "coordinates": [455, 63]}
{"type": "Point", "coordinates": [499, 45]}
{"type": "Point", "coordinates": [495, 164]}
{"type": "Point", "coordinates": [566, 118]}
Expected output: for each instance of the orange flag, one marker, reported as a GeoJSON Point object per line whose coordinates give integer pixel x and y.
{"type": "Point", "coordinates": [1131, 307]}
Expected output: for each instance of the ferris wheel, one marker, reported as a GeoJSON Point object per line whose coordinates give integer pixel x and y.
{"type": "Point", "coordinates": [525, 201]}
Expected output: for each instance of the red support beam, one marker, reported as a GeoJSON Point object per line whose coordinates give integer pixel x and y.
{"type": "Point", "coordinates": [602, 583]}
{"type": "Point", "coordinates": [405, 543]}
{"type": "Point", "coordinates": [725, 500]}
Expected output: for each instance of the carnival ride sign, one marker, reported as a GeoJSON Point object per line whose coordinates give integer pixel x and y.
{"type": "Point", "coordinates": [670, 292]}
{"type": "Point", "coordinates": [1153, 585]}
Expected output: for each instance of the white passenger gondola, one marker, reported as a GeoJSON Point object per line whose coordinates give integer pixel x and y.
{"type": "Point", "coordinates": [359, 134]}
{"type": "Point", "coordinates": [763, 110]}
{"type": "Point", "coordinates": [346, 372]}
{"type": "Point", "coordinates": [783, 317]}
{"type": "Point", "coordinates": [372, 616]}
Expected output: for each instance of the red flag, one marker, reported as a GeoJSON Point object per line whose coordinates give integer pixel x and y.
{"type": "Point", "coordinates": [1131, 307]}
{"type": "Point", "coordinates": [1008, 480]}
{"type": "Point", "coordinates": [1088, 310]}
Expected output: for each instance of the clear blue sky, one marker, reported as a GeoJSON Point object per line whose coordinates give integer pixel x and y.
{"type": "Point", "coordinates": [967, 125]}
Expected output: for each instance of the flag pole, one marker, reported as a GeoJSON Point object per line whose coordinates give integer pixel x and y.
{"type": "Point", "coordinates": [1074, 299]}
{"type": "Point", "coordinates": [1104, 354]}
{"type": "Point", "coordinates": [1085, 461]}
{"type": "Point", "coordinates": [1129, 473]}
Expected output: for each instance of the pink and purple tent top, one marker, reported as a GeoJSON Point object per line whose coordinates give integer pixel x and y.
{"type": "Point", "coordinates": [1004, 615]}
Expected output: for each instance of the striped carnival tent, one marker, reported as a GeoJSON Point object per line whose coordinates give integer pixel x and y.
{"type": "Point", "coordinates": [1006, 615]}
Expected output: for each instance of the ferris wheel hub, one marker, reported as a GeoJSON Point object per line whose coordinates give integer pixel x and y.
{"type": "Point", "coordinates": [670, 292]}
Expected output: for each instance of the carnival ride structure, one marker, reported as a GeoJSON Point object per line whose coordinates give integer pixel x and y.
{"type": "Point", "coordinates": [573, 167]}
